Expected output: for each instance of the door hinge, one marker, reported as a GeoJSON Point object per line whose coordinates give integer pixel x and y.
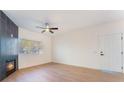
{"type": "Point", "coordinates": [122, 67]}
{"type": "Point", "coordinates": [122, 52]}
{"type": "Point", "coordinates": [121, 38]}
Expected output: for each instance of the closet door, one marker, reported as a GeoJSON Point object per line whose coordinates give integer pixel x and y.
{"type": "Point", "coordinates": [111, 55]}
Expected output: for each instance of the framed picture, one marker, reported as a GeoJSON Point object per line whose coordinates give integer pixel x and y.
{"type": "Point", "coordinates": [30, 47]}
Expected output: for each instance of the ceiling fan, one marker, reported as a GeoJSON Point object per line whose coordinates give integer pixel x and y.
{"type": "Point", "coordinates": [47, 28]}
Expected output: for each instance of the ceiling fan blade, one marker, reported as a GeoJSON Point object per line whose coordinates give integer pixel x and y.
{"type": "Point", "coordinates": [54, 28]}
{"type": "Point", "coordinates": [40, 27]}
{"type": "Point", "coordinates": [51, 32]}
{"type": "Point", "coordinates": [43, 31]}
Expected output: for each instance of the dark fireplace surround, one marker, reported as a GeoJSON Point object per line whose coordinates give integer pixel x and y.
{"type": "Point", "coordinates": [8, 46]}
{"type": "Point", "coordinates": [10, 67]}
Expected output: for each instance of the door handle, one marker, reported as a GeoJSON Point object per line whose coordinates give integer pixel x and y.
{"type": "Point", "coordinates": [101, 53]}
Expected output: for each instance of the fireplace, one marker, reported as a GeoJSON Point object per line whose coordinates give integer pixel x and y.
{"type": "Point", "coordinates": [10, 67]}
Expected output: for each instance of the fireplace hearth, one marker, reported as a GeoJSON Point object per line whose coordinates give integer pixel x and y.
{"type": "Point", "coordinates": [10, 67]}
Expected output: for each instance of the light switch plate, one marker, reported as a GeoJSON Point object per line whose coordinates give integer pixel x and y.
{"type": "Point", "coordinates": [11, 35]}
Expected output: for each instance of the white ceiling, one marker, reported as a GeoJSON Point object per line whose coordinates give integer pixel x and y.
{"type": "Point", "coordinates": [64, 19]}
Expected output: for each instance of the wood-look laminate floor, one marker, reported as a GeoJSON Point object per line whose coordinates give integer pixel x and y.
{"type": "Point", "coordinates": [53, 72]}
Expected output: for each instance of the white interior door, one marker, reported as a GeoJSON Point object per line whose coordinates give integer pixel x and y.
{"type": "Point", "coordinates": [111, 52]}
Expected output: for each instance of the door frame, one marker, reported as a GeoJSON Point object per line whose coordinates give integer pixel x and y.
{"type": "Point", "coordinates": [122, 52]}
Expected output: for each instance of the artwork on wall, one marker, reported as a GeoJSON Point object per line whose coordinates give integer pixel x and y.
{"type": "Point", "coordinates": [30, 47]}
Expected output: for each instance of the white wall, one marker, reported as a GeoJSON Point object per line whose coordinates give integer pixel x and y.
{"type": "Point", "coordinates": [80, 47]}
{"type": "Point", "coordinates": [27, 60]}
